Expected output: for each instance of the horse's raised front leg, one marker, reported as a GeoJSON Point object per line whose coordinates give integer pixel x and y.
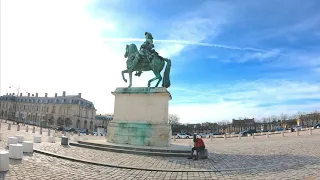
{"type": "Point", "coordinates": [124, 71]}
{"type": "Point", "coordinates": [130, 79]}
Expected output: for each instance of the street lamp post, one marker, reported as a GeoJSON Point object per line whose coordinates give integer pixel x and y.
{"type": "Point", "coordinates": [16, 99]}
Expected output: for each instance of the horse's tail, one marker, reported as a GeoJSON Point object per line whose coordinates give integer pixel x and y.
{"type": "Point", "coordinates": [166, 76]}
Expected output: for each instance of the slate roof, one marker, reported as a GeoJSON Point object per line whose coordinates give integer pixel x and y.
{"type": "Point", "coordinates": [70, 99]}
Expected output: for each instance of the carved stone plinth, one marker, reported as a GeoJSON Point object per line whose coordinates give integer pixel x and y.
{"type": "Point", "coordinates": [4, 160]}
{"type": "Point", "coordinates": [64, 140]}
{"type": "Point", "coordinates": [15, 151]}
{"type": "Point", "coordinates": [12, 140]}
{"type": "Point", "coordinates": [27, 146]}
{"type": "Point", "coordinates": [140, 117]}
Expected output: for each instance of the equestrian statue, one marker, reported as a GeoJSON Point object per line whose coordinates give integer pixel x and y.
{"type": "Point", "coordinates": [146, 59]}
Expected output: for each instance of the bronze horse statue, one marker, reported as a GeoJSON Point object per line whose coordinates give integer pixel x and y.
{"type": "Point", "coordinates": [155, 64]}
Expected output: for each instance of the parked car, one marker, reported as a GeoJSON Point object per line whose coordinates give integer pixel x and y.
{"type": "Point", "coordinates": [60, 129]}
{"type": "Point", "coordinates": [209, 135]}
{"type": "Point", "coordinates": [246, 132]}
{"type": "Point", "coordinates": [316, 126]}
{"type": "Point", "coordinates": [202, 135]}
{"type": "Point", "coordinates": [85, 131]}
{"type": "Point", "coordinates": [297, 128]}
{"type": "Point", "coordinates": [280, 129]}
{"type": "Point", "coordinates": [183, 136]}
{"type": "Point", "coordinates": [71, 130]}
{"type": "Point", "coordinates": [174, 134]}
{"type": "Point", "coordinates": [217, 133]}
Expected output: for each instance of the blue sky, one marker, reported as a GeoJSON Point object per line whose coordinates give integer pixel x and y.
{"type": "Point", "coordinates": [230, 59]}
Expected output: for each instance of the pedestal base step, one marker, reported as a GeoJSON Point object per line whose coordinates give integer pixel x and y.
{"type": "Point", "coordinates": [172, 149]}
{"type": "Point", "coordinates": [123, 149]}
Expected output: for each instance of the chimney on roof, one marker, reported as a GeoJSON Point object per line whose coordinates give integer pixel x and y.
{"type": "Point", "coordinates": [64, 94]}
{"type": "Point", "coordinates": [12, 94]}
{"type": "Point", "coordinates": [36, 94]}
{"type": "Point", "coordinates": [79, 95]}
{"type": "Point", "coordinates": [28, 94]}
{"type": "Point", "coordinates": [20, 94]}
{"type": "Point", "coordinates": [55, 94]}
{"type": "Point", "coordinates": [32, 95]}
{"type": "Point", "coordinates": [46, 95]}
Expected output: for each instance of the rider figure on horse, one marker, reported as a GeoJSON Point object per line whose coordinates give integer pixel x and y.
{"type": "Point", "coordinates": [146, 51]}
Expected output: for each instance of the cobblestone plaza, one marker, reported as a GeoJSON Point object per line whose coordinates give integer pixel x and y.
{"type": "Point", "coordinates": [276, 157]}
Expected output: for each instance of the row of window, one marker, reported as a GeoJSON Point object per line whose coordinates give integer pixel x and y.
{"type": "Point", "coordinates": [45, 101]}
{"type": "Point", "coordinates": [36, 108]}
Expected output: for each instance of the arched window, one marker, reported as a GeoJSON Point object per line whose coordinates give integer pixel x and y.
{"type": "Point", "coordinates": [78, 123]}
{"type": "Point", "coordinates": [85, 124]}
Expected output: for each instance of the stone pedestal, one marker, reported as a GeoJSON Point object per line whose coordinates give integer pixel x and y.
{"type": "Point", "coordinates": [64, 140]}
{"type": "Point", "coordinates": [15, 151]}
{"type": "Point", "coordinates": [12, 140]}
{"type": "Point", "coordinates": [27, 146]}
{"type": "Point", "coordinates": [140, 117]}
{"type": "Point", "coordinates": [4, 161]}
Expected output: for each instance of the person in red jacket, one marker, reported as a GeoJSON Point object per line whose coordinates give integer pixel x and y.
{"type": "Point", "coordinates": [198, 146]}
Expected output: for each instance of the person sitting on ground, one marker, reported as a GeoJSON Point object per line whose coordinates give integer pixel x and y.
{"type": "Point", "coordinates": [198, 146]}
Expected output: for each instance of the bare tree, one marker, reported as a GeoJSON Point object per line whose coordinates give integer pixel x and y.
{"type": "Point", "coordinates": [223, 125]}
{"type": "Point", "coordinates": [174, 119]}
{"type": "Point", "coordinates": [283, 117]}
{"type": "Point", "coordinates": [315, 117]}
{"type": "Point", "coordinates": [302, 117]}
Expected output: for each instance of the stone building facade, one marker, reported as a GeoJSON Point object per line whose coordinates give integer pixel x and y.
{"type": "Point", "coordinates": [57, 111]}
{"type": "Point", "coordinates": [239, 125]}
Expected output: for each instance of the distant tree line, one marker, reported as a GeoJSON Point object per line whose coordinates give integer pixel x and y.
{"type": "Point", "coordinates": [270, 123]}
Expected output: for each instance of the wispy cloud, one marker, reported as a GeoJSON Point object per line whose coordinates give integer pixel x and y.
{"type": "Point", "coordinates": [185, 43]}
{"type": "Point", "coordinates": [259, 56]}
{"type": "Point", "coordinates": [250, 99]}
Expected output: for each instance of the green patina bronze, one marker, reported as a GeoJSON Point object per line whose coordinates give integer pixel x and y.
{"type": "Point", "coordinates": [137, 133]}
{"type": "Point", "coordinates": [141, 90]}
{"type": "Point", "coordinates": [146, 59]}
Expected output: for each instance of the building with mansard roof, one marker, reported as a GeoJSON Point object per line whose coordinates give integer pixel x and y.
{"type": "Point", "coordinates": [57, 111]}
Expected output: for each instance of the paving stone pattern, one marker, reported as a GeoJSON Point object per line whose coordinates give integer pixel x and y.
{"type": "Point", "coordinates": [290, 157]}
